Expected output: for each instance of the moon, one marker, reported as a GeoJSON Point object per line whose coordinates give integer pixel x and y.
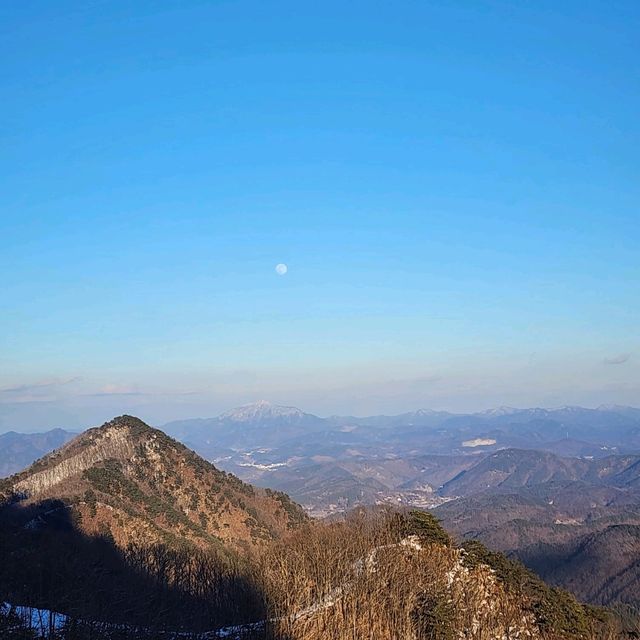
{"type": "Point", "coordinates": [281, 269]}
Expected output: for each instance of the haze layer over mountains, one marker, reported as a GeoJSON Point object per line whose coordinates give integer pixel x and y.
{"type": "Point", "coordinates": [124, 532]}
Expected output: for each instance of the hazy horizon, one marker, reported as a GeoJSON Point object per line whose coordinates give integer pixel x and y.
{"type": "Point", "coordinates": [100, 417]}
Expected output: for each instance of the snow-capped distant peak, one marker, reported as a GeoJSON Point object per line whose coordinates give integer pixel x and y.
{"type": "Point", "coordinates": [499, 411]}
{"type": "Point", "coordinates": [260, 410]}
{"type": "Point", "coordinates": [425, 412]}
{"type": "Point", "coordinates": [567, 408]}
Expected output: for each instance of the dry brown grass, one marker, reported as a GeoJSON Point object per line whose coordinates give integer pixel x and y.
{"type": "Point", "coordinates": [358, 580]}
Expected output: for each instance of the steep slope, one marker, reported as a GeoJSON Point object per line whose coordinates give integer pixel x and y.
{"type": "Point", "coordinates": [18, 450]}
{"type": "Point", "coordinates": [629, 477]}
{"type": "Point", "coordinates": [518, 468]}
{"type": "Point", "coordinates": [381, 574]}
{"type": "Point", "coordinates": [376, 574]}
{"type": "Point", "coordinates": [515, 468]}
{"type": "Point", "coordinates": [138, 485]}
{"type": "Point", "coordinates": [583, 537]}
{"type": "Point", "coordinates": [601, 567]}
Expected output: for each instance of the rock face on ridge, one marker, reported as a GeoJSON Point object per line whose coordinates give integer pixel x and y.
{"type": "Point", "coordinates": [137, 484]}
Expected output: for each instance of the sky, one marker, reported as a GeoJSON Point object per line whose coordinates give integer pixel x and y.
{"type": "Point", "coordinates": [453, 185]}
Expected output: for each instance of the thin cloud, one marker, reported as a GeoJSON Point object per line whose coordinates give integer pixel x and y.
{"type": "Point", "coordinates": [28, 388]}
{"type": "Point", "coordinates": [121, 391]}
{"type": "Point", "coordinates": [619, 359]}
{"type": "Point", "coordinates": [110, 394]}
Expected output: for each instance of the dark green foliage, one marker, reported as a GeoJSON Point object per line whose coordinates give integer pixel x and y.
{"type": "Point", "coordinates": [433, 618]}
{"type": "Point", "coordinates": [427, 527]}
{"type": "Point", "coordinates": [555, 610]}
{"type": "Point", "coordinates": [90, 499]}
{"type": "Point", "coordinates": [110, 479]}
{"type": "Point", "coordinates": [294, 512]}
{"type": "Point", "coordinates": [141, 452]}
{"type": "Point", "coordinates": [154, 506]}
{"type": "Point", "coordinates": [5, 488]}
{"type": "Point", "coordinates": [257, 530]}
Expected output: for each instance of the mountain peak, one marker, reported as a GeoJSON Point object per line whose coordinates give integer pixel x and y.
{"type": "Point", "coordinates": [115, 440]}
{"type": "Point", "coordinates": [424, 412]}
{"type": "Point", "coordinates": [149, 487]}
{"type": "Point", "coordinates": [499, 411]}
{"type": "Point", "coordinates": [261, 410]}
{"type": "Point", "coordinates": [127, 422]}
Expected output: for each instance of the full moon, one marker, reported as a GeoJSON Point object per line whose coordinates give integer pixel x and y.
{"type": "Point", "coordinates": [281, 269]}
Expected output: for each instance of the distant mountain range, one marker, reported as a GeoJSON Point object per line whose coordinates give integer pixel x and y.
{"type": "Point", "coordinates": [127, 533]}
{"type": "Point", "coordinates": [261, 423]}
{"type": "Point", "coordinates": [575, 522]}
{"type": "Point", "coordinates": [607, 427]}
{"type": "Point", "coordinates": [321, 461]}
{"type": "Point", "coordinates": [18, 450]}
{"type": "Point", "coordinates": [335, 463]}
{"type": "Point", "coordinates": [552, 487]}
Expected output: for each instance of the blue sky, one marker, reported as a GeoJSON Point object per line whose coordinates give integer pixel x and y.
{"type": "Point", "coordinates": [453, 185]}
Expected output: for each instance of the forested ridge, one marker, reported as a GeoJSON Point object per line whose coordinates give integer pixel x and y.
{"type": "Point", "coordinates": [131, 535]}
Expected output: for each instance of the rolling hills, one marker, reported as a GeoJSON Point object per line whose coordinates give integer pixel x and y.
{"type": "Point", "coordinates": [554, 512]}
{"type": "Point", "coordinates": [515, 468]}
{"type": "Point", "coordinates": [125, 530]}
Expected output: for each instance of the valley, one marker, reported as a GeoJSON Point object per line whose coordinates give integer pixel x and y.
{"type": "Point", "coordinates": [572, 519]}
{"type": "Point", "coordinates": [182, 548]}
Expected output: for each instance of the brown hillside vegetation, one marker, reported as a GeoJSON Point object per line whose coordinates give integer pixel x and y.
{"type": "Point", "coordinates": [137, 485]}
{"type": "Point", "coordinates": [391, 576]}
{"type": "Point", "coordinates": [132, 535]}
{"type": "Point", "coordinates": [380, 576]}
